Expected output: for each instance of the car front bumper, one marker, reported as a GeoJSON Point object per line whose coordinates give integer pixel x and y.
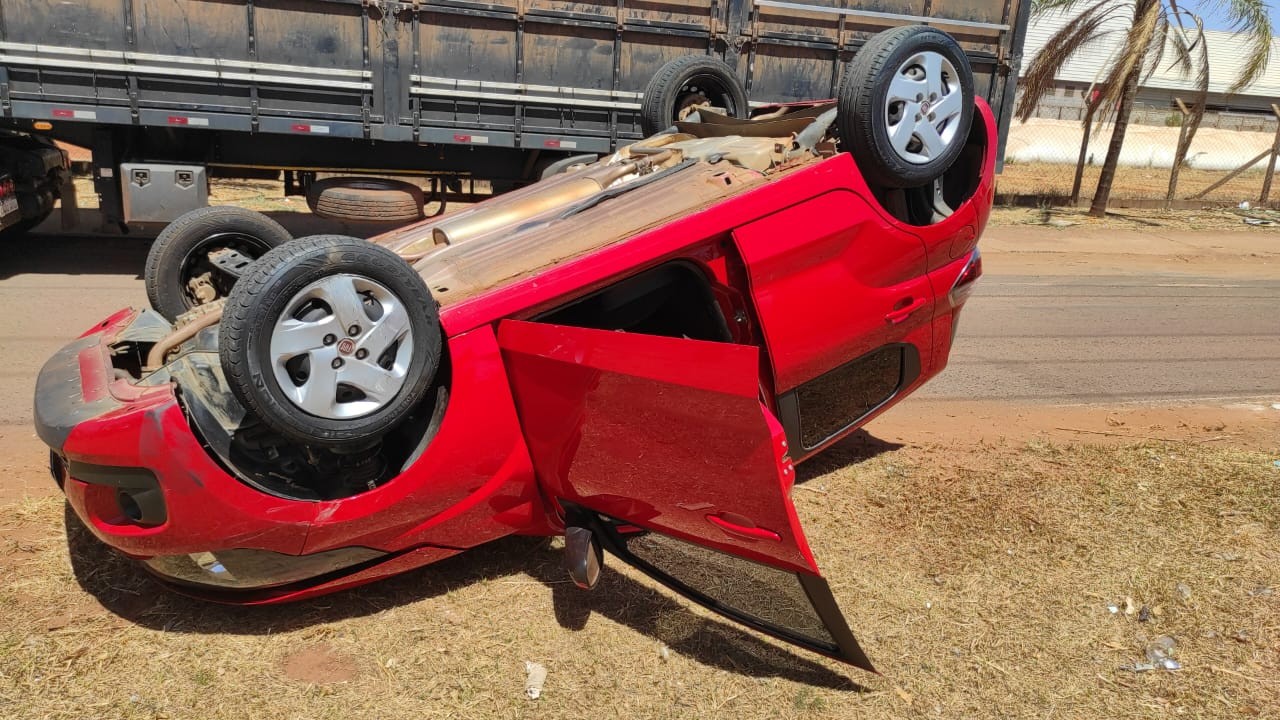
{"type": "Point", "coordinates": [137, 476]}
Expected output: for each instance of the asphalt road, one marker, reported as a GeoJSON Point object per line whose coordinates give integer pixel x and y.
{"type": "Point", "coordinates": [1144, 337]}
{"type": "Point", "coordinates": [1055, 339]}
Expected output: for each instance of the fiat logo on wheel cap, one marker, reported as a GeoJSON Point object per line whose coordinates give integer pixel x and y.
{"type": "Point", "coordinates": [346, 346]}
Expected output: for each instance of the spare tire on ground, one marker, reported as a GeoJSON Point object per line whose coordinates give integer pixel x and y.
{"type": "Point", "coordinates": [905, 106]}
{"type": "Point", "coordinates": [686, 82]}
{"type": "Point", "coordinates": [330, 340]}
{"type": "Point", "coordinates": [197, 258]}
{"type": "Point", "coordinates": [365, 199]}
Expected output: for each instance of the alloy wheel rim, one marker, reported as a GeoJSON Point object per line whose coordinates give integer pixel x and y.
{"type": "Point", "coordinates": [342, 348]}
{"type": "Point", "coordinates": [923, 107]}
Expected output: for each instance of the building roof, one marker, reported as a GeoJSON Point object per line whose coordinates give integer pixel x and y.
{"type": "Point", "coordinates": [1226, 61]}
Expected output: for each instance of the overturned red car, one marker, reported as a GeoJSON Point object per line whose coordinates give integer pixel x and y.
{"type": "Point", "coordinates": [634, 352]}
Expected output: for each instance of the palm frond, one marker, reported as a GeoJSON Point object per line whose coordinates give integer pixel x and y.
{"type": "Point", "coordinates": [1177, 39]}
{"type": "Point", "coordinates": [1250, 18]}
{"type": "Point", "coordinates": [1131, 56]}
{"type": "Point", "coordinates": [1070, 39]}
{"type": "Point", "coordinates": [1156, 46]}
{"type": "Point", "coordinates": [1043, 6]}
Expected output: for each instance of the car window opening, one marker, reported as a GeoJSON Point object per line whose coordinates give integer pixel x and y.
{"type": "Point", "coordinates": [672, 300]}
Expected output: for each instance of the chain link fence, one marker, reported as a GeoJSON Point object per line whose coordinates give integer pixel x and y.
{"type": "Point", "coordinates": [1042, 156]}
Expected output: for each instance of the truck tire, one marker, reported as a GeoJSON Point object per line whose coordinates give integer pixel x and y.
{"type": "Point", "coordinates": [561, 165]}
{"type": "Point", "coordinates": [905, 106]}
{"type": "Point", "coordinates": [686, 81]}
{"type": "Point", "coordinates": [181, 254]}
{"type": "Point", "coordinates": [365, 200]}
{"type": "Point", "coordinates": [330, 340]}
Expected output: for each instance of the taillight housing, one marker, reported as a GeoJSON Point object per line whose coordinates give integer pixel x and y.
{"type": "Point", "coordinates": [964, 284]}
{"type": "Point", "coordinates": [6, 188]}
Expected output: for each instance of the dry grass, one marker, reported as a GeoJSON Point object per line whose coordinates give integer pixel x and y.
{"type": "Point", "coordinates": [1052, 180]}
{"type": "Point", "coordinates": [977, 578]}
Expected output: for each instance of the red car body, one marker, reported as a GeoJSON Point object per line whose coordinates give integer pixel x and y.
{"type": "Point", "coordinates": [693, 439]}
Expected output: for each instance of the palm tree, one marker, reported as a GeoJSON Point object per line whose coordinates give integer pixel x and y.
{"type": "Point", "coordinates": [1153, 27]}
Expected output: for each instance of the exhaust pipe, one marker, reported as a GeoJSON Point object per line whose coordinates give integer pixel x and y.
{"type": "Point", "coordinates": [538, 200]}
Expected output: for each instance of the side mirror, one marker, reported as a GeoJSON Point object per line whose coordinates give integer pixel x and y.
{"type": "Point", "coordinates": [583, 557]}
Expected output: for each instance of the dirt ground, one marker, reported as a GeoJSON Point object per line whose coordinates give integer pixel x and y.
{"type": "Point", "coordinates": [995, 559]}
{"type": "Point", "coordinates": [1010, 570]}
{"type": "Point", "coordinates": [1054, 180]}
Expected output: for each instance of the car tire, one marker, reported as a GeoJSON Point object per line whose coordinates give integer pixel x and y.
{"type": "Point", "coordinates": [294, 330]}
{"type": "Point", "coordinates": [905, 106]}
{"type": "Point", "coordinates": [688, 80]}
{"type": "Point", "coordinates": [365, 199]}
{"type": "Point", "coordinates": [181, 253]}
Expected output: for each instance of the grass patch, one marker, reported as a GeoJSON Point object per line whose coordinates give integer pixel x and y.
{"type": "Point", "coordinates": [977, 578]}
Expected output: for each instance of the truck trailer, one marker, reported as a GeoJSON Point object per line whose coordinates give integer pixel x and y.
{"type": "Point", "coordinates": [166, 93]}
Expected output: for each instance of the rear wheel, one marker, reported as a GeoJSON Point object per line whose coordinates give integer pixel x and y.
{"type": "Point", "coordinates": [197, 258]}
{"type": "Point", "coordinates": [905, 106]}
{"type": "Point", "coordinates": [365, 199]}
{"type": "Point", "coordinates": [688, 82]}
{"type": "Point", "coordinates": [330, 340]}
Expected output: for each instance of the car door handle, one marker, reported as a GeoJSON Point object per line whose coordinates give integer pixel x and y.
{"type": "Point", "coordinates": [901, 314]}
{"type": "Point", "coordinates": [733, 528]}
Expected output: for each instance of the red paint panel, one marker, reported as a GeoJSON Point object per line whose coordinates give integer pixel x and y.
{"type": "Point", "coordinates": [470, 485]}
{"type": "Point", "coordinates": [660, 432]}
{"type": "Point", "coordinates": [832, 280]}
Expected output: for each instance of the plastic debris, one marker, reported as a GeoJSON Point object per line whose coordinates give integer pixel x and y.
{"type": "Point", "coordinates": [535, 675]}
{"type": "Point", "coordinates": [1262, 591]}
{"type": "Point", "coordinates": [1113, 608]}
{"type": "Point", "coordinates": [1144, 614]}
{"type": "Point", "coordinates": [1184, 591]}
{"type": "Point", "coordinates": [1159, 654]}
{"type": "Point", "coordinates": [1258, 221]}
{"type": "Point", "coordinates": [1275, 463]}
{"type": "Point", "coordinates": [664, 652]}
{"type": "Point", "coordinates": [1129, 607]}
{"type": "Point", "coordinates": [1244, 205]}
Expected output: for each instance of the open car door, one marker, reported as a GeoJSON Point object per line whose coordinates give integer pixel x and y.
{"type": "Point", "coordinates": [662, 446]}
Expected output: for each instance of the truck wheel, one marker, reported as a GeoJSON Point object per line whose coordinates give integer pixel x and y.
{"type": "Point", "coordinates": [365, 200]}
{"type": "Point", "coordinates": [198, 257]}
{"type": "Point", "coordinates": [330, 340]}
{"type": "Point", "coordinates": [905, 106]}
{"type": "Point", "coordinates": [686, 82]}
{"type": "Point", "coordinates": [562, 165]}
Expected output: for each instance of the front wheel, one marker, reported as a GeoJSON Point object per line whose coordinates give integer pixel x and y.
{"type": "Point", "coordinates": [330, 340]}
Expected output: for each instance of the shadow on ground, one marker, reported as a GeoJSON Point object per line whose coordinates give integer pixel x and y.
{"type": "Point", "coordinates": [73, 255]}
{"type": "Point", "coordinates": [90, 250]}
{"type": "Point", "coordinates": [858, 447]}
{"type": "Point", "coordinates": [126, 590]}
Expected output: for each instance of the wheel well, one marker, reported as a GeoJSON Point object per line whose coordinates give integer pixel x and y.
{"type": "Point", "coordinates": [915, 206]}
